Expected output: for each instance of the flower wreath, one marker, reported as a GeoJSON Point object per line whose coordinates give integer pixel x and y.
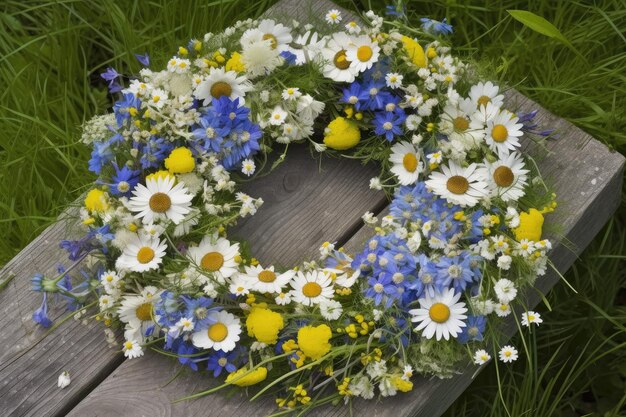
{"type": "Point", "coordinates": [462, 238]}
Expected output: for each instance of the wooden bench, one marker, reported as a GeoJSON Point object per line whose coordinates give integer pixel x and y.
{"type": "Point", "coordinates": [303, 207]}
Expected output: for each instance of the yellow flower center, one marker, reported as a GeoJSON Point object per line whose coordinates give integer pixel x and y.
{"type": "Point", "coordinates": [503, 176]}
{"type": "Point", "coordinates": [267, 276]}
{"type": "Point", "coordinates": [220, 89]}
{"type": "Point", "coordinates": [144, 312]}
{"type": "Point", "coordinates": [483, 100]}
{"type": "Point", "coordinates": [340, 60]}
{"type": "Point", "coordinates": [212, 261]}
{"type": "Point", "coordinates": [160, 202]}
{"type": "Point", "coordinates": [507, 353]}
{"type": "Point", "coordinates": [272, 39]}
{"type": "Point", "coordinates": [457, 184]}
{"type": "Point", "coordinates": [217, 332]}
{"type": "Point", "coordinates": [128, 345]}
{"type": "Point", "coordinates": [439, 313]}
{"type": "Point", "coordinates": [311, 289]}
{"type": "Point", "coordinates": [531, 318]}
{"type": "Point", "coordinates": [499, 133]}
{"type": "Point", "coordinates": [410, 162]}
{"type": "Point", "coordinates": [460, 123]}
{"type": "Point", "coordinates": [145, 255]}
{"type": "Point", "coordinates": [364, 53]}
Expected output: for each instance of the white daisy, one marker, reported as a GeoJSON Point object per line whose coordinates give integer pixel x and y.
{"type": "Point", "coordinates": [484, 114]}
{"type": "Point", "coordinates": [291, 93]}
{"type": "Point", "coordinates": [283, 298]}
{"type": "Point", "coordinates": [220, 83]}
{"type": "Point", "coordinates": [307, 47]}
{"type": "Point", "coordinates": [137, 312]}
{"type": "Point", "coordinates": [141, 253]}
{"type": "Point", "coordinates": [502, 309]}
{"type": "Point", "coordinates": [406, 163]}
{"type": "Point", "coordinates": [157, 99]}
{"type": "Point", "coordinates": [311, 288]}
{"type": "Point", "coordinates": [266, 279]}
{"type": "Point", "coordinates": [393, 80]}
{"type": "Point", "coordinates": [333, 16]}
{"type": "Point", "coordinates": [336, 64]}
{"type": "Point", "coordinates": [222, 334]}
{"type": "Point", "coordinates": [481, 357]}
{"type": "Point", "coordinates": [531, 317]}
{"type": "Point", "coordinates": [278, 116]}
{"type": "Point", "coordinates": [506, 177]}
{"type": "Point", "coordinates": [132, 349]}
{"type": "Point", "coordinates": [239, 285]}
{"type": "Point", "coordinates": [482, 94]}
{"type": "Point", "coordinates": [353, 28]}
{"type": "Point", "coordinates": [278, 35]}
{"type": "Point", "coordinates": [456, 122]}
{"type": "Point", "coordinates": [216, 256]}
{"type": "Point", "coordinates": [505, 290]}
{"type": "Point", "coordinates": [503, 133]}
{"type": "Point", "coordinates": [259, 58]}
{"type": "Point", "coordinates": [160, 199]}
{"type": "Point", "coordinates": [362, 53]}
{"type": "Point", "coordinates": [458, 185]}
{"type": "Point", "coordinates": [440, 316]}
{"type": "Point", "coordinates": [331, 309]}
{"type": "Point", "coordinates": [248, 167]}
{"type": "Point", "coordinates": [508, 354]}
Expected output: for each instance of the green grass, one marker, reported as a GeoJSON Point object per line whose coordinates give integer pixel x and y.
{"type": "Point", "coordinates": [51, 54]}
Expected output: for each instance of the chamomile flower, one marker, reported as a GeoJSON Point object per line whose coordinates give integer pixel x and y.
{"type": "Point", "coordinates": [222, 334]}
{"type": "Point", "coordinates": [141, 253]}
{"type": "Point", "coordinates": [508, 354]}
{"type": "Point", "coordinates": [333, 16]}
{"type": "Point", "coordinates": [278, 35]}
{"type": "Point", "coordinates": [220, 83]}
{"type": "Point", "coordinates": [239, 285]}
{"type": "Point", "coordinates": [362, 53]}
{"type": "Point", "coordinates": [331, 309]}
{"type": "Point", "coordinates": [506, 177]}
{"type": "Point", "coordinates": [132, 349]}
{"type": "Point", "coordinates": [481, 357]}
{"type": "Point", "coordinates": [337, 67]}
{"type": "Point", "coordinates": [531, 317]}
{"type": "Point", "coordinates": [406, 163]}
{"type": "Point", "coordinates": [267, 280]}
{"type": "Point", "coordinates": [458, 185]}
{"type": "Point", "coordinates": [278, 116]}
{"type": "Point", "coordinates": [393, 80]}
{"type": "Point", "coordinates": [259, 58]}
{"type": "Point", "coordinates": [502, 309]}
{"type": "Point", "coordinates": [311, 288]}
{"type": "Point", "coordinates": [160, 199]}
{"type": "Point", "coordinates": [482, 94]}
{"type": "Point", "coordinates": [353, 27]}
{"type": "Point", "coordinates": [248, 167]}
{"type": "Point", "coordinates": [440, 316]}
{"type": "Point", "coordinates": [291, 93]}
{"type": "Point", "coordinates": [137, 312]}
{"type": "Point", "coordinates": [503, 133]}
{"type": "Point", "coordinates": [215, 256]}
{"type": "Point", "coordinates": [157, 99]}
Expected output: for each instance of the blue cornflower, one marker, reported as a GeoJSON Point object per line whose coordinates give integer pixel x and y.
{"type": "Point", "coordinates": [376, 74]}
{"type": "Point", "coordinates": [381, 288]}
{"type": "Point", "coordinates": [143, 59]}
{"type": "Point", "coordinates": [529, 125]}
{"type": "Point", "coordinates": [220, 361]}
{"type": "Point", "coordinates": [395, 10]}
{"type": "Point", "coordinates": [153, 152]}
{"type": "Point", "coordinates": [229, 112]}
{"type": "Point", "coordinates": [124, 180]}
{"type": "Point", "coordinates": [436, 27]}
{"type": "Point", "coordinates": [198, 308]}
{"type": "Point", "coordinates": [37, 282]}
{"type": "Point", "coordinates": [111, 76]}
{"type": "Point", "coordinates": [378, 96]}
{"type": "Point", "coordinates": [475, 326]}
{"type": "Point", "coordinates": [40, 315]}
{"type": "Point", "coordinates": [428, 276]}
{"type": "Point", "coordinates": [455, 271]}
{"type": "Point", "coordinates": [101, 155]}
{"type": "Point", "coordinates": [289, 57]}
{"type": "Point", "coordinates": [122, 108]}
{"type": "Point", "coordinates": [388, 124]}
{"type": "Point", "coordinates": [211, 132]}
{"type": "Point", "coordinates": [355, 95]}
{"type": "Point", "coordinates": [243, 143]}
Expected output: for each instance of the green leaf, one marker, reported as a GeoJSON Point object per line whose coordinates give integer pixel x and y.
{"type": "Point", "coordinates": [538, 24]}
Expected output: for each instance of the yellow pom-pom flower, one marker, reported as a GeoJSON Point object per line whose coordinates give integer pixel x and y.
{"type": "Point", "coordinates": [530, 226]}
{"type": "Point", "coordinates": [342, 134]}
{"type": "Point", "coordinates": [264, 325]}
{"type": "Point", "coordinates": [235, 63]}
{"type": "Point", "coordinates": [163, 174]}
{"type": "Point", "coordinates": [180, 161]}
{"type": "Point", "coordinates": [415, 51]}
{"type": "Point", "coordinates": [313, 340]}
{"type": "Point", "coordinates": [240, 378]}
{"type": "Point", "coordinates": [96, 200]}
{"type": "Point", "coordinates": [401, 384]}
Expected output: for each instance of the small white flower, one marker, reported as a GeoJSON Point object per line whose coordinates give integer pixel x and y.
{"type": "Point", "coordinates": [291, 93]}
{"type": "Point", "coordinates": [283, 298]}
{"type": "Point", "coordinates": [407, 372]}
{"type": "Point", "coordinates": [333, 16]}
{"type": "Point", "coordinates": [481, 357]}
{"type": "Point", "coordinates": [508, 354]}
{"type": "Point", "coordinates": [278, 116]}
{"type": "Point", "coordinates": [248, 167]}
{"type": "Point", "coordinates": [502, 309]}
{"type": "Point", "coordinates": [132, 349]}
{"type": "Point", "coordinates": [375, 184]}
{"type": "Point", "coordinates": [505, 290]}
{"type": "Point", "coordinates": [369, 218]}
{"type": "Point", "coordinates": [504, 262]}
{"type": "Point", "coordinates": [331, 309]}
{"type": "Point", "coordinates": [353, 28]}
{"type": "Point", "coordinates": [393, 80]}
{"type": "Point", "coordinates": [435, 157]}
{"type": "Point", "coordinates": [264, 96]}
{"type": "Point", "coordinates": [531, 317]}
{"type": "Point", "coordinates": [64, 380]}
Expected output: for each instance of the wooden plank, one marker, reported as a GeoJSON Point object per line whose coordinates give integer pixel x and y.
{"type": "Point", "coordinates": [588, 188]}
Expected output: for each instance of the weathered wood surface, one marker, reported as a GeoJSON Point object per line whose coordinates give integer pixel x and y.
{"type": "Point", "coordinates": [587, 178]}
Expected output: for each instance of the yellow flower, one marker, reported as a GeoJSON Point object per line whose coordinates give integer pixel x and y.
{"type": "Point", "coordinates": [96, 200]}
{"type": "Point", "coordinates": [264, 325]}
{"type": "Point", "coordinates": [530, 226]}
{"type": "Point", "coordinates": [401, 384]}
{"type": "Point", "coordinates": [159, 174]}
{"type": "Point", "coordinates": [313, 341]}
{"type": "Point", "coordinates": [342, 134]}
{"type": "Point", "coordinates": [415, 51]}
{"type": "Point", "coordinates": [240, 378]}
{"type": "Point", "coordinates": [234, 63]}
{"type": "Point", "coordinates": [180, 161]}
